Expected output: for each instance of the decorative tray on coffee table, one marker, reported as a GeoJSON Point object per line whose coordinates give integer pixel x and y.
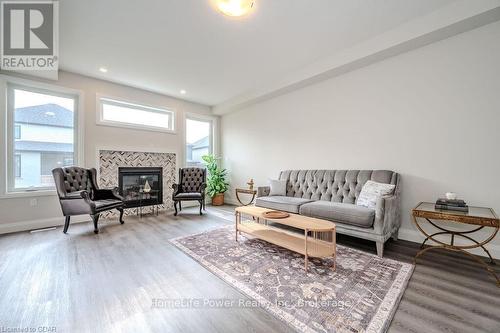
{"type": "Point", "coordinates": [275, 214]}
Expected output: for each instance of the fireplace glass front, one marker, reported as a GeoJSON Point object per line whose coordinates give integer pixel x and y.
{"type": "Point", "coordinates": [141, 186]}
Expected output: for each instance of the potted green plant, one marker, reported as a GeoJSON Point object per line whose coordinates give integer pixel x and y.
{"type": "Point", "coordinates": [216, 179]}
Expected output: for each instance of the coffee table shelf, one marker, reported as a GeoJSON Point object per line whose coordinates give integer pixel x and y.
{"type": "Point", "coordinates": [315, 248]}
{"type": "Point", "coordinates": [318, 238]}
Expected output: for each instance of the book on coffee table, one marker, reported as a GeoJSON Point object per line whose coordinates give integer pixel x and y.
{"type": "Point", "coordinates": [457, 205]}
{"type": "Point", "coordinates": [448, 202]}
{"type": "Point", "coordinates": [453, 208]}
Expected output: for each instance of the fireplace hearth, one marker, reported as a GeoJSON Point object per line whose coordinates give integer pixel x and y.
{"type": "Point", "coordinates": [141, 186]}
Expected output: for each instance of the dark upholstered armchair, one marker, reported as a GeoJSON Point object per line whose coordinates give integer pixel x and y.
{"type": "Point", "coordinates": [79, 194]}
{"type": "Point", "coordinates": [191, 187]}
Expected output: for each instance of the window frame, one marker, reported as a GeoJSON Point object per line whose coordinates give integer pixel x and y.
{"type": "Point", "coordinates": [213, 148]}
{"type": "Point", "coordinates": [8, 84]}
{"type": "Point", "coordinates": [139, 106]}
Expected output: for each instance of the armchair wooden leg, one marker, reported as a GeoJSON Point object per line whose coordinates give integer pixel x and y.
{"type": "Point", "coordinates": [95, 218]}
{"type": "Point", "coordinates": [175, 207]}
{"type": "Point", "coordinates": [180, 206]}
{"type": "Point", "coordinates": [121, 215]}
{"type": "Point", "coordinates": [201, 206]}
{"type": "Point", "coordinates": [66, 224]}
{"type": "Point", "coordinates": [204, 207]}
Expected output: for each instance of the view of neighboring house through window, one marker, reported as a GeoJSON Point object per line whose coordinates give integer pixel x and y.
{"type": "Point", "coordinates": [17, 165]}
{"type": "Point", "coordinates": [198, 141]}
{"type": "Point", "coordinates": [17, 132]}
{"type": "Point", "coordinates": [43, 126]}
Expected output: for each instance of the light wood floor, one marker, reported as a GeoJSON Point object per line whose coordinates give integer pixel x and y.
{"type": "Point", "coordinates": [83, 282]}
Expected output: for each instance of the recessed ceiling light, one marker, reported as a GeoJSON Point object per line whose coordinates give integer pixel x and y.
{"type": "Point", "coordinates": [235, 7]}
{"type": "Point", "coordinates": [103, 69]}
{"type": "Point", "coordinates": [183, 92]}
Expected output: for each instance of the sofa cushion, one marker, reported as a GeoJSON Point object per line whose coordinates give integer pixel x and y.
{"type": "Point", "coordinates": [287, 204]}
{"type": "Point", "coordinates": [340, 212]}
{"type": "Point", "coordinates": [277, 187]}
{"type": "Point", "coordinates": [372, 191]}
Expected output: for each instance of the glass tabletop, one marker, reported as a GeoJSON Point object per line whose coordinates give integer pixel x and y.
{"type": "Point", "coordinates": [480, 212]}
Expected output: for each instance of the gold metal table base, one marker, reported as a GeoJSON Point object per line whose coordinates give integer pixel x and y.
{"type": "Point", "coordinates": [245, 191]}
{"type": "Point", "coordinates": [451, 246]}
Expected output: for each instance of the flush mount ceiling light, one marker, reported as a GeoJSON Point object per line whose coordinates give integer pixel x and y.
{"type": "Point", "coordinates": [183, 92]}
{"type": "Point", "coordinates": [103, 69]}
{"type": "Point", "coordinates": [235, 7]}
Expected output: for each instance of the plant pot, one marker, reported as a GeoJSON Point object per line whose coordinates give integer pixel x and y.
{"type": "Point", "coordinates": [218, 199]}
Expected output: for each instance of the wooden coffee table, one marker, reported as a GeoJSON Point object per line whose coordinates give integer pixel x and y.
{"type": "Point", "coordinates": [318, 238]}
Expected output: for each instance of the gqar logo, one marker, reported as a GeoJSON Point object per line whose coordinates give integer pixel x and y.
{"type": "Point", "coordinates": [29, 35]}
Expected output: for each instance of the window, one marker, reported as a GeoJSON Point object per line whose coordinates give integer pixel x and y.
{"type": "Point", "coordinates": [199, 140]}
{"type": "Point", "coordinates": [17, 166]}
{"type": "Point", "coordinates": [48, 160]}
{"type": "Point", "coordinates": [123, 114]}
{"type": "Point", "coordinates": [48, 120]}
{"type": "Point", "coordinates": [17, 132]}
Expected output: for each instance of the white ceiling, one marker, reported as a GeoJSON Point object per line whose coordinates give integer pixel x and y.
{"type": "Point", "coordinates": [169, 45]}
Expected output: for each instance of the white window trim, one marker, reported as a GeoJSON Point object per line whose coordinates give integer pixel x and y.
{"type": "Point", "coordinates": [100, 121]}
{"type": "Point", "coordinates": [6, 141]}
{"type": "Point", "coordinates": [214, 135]}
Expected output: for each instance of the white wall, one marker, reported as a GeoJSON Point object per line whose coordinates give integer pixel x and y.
{"type": "Point", "coordinates": [432, 114]}
{"type": "Point", "coordinates": [17, 213]}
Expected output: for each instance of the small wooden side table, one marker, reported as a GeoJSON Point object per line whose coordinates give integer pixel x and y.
{"type": "Point", "coordinates": [480, 217]}
{"type": "Point", "coordinates": [245, 191]}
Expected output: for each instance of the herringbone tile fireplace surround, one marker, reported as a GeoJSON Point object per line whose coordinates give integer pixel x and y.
{"type": "Point", "coordinates": [111, 160]}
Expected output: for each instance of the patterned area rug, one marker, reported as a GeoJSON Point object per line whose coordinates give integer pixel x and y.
{"type": "Point", "coordinates": [361, 295]}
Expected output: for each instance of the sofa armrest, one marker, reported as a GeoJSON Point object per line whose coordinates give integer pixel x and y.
{"type": "Point", "coordinates": [263, 191]}
{"type": "Point", "coordinates": [85, 195]}
{"type": "Point", "coordinates": [387, 214]}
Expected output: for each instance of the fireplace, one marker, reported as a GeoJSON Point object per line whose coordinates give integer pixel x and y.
{"type": "Point", "coordinates": [141, 186]}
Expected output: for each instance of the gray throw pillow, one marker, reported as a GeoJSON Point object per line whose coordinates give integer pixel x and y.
{"type": "Point", "coordinates": [278, 187]}
{"type": "Point", "coordinates": [371, 191]}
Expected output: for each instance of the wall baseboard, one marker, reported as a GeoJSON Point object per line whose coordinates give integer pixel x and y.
{"type": "Point", "coordinates": [231, 201]}
{"type": "Point", "coordinates": [7, 228]}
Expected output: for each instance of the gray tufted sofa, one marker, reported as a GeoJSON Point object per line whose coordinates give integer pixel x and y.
{"type": "Point", "coordinates": [332, 195]}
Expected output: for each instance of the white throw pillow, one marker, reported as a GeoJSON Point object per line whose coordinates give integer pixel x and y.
{"type": "Point", "coordinates": [371, 191]}
{"type": "Point", "coordinates": [278, 187]}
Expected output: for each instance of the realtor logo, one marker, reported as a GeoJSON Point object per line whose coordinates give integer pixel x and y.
{"type": "Point", "coordinates": [29, 35]}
